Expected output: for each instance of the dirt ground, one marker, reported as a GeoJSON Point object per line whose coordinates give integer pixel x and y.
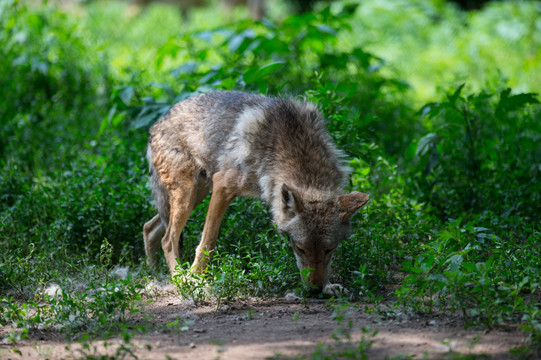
{"type": "Point", "coordinates": [256, 329]}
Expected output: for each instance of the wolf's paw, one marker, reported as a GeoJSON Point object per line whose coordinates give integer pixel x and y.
{"type": "Point", "coordinates": [335, 290]}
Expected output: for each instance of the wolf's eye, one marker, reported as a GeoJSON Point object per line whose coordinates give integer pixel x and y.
{"type": "Point", "coordinates": [328, 251]}
{"type": "Point", "coordinates": [299, 249]}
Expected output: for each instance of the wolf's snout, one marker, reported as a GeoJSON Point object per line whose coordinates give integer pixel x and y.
{"type": "Point", "coordinates": [317, 278]}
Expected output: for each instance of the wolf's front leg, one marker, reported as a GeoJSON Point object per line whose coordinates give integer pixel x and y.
{"type": "Point", "coordinates": [222, 195]}
{"type": "Point", "coordinates": [182, 200]}
{"type": "Point", "coordinates": [335, 290]}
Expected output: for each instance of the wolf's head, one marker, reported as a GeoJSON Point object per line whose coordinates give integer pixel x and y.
{"type": "Point", "coordinates": [316, 228]}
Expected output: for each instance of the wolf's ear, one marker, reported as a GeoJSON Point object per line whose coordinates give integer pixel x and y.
{"type": "Point", "coordinates": [350, 203]}
{"type": "Point", "coordinates": [291, 201]}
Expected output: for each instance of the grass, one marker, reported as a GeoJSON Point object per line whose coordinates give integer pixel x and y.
{"type": "Point", "coordinates": [437, 129]}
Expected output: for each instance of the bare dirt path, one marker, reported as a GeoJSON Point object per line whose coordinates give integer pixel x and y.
{"type": "Point", "coordinates": [257, 329]}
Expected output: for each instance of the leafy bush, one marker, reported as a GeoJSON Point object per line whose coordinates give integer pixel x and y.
{"type": "Point", "coordinates": [467, 268]}
{"type": "Point", "coordinates": [46, 64]}
{"type": "Point", "coordinates": [477, 263]}
{"type": "Point", "coordinates": [453, 221]}
{"type": "Point", "coordinates": [99, 310]}
{"type": "Point", "coordinates": [464, 161]}
{"type": "Point", "coordinates": [293, 56]}
{"type": "Point", "coordinates": [62, 187]}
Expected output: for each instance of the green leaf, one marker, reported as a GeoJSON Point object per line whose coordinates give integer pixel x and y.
{"type": "Point", "coordinates": [272, 46]}
{"type": "Point", "coordinates": [270, 68]}
{"type": "Point", "coordinates": [40, 66]}
{"type": "Point", "coordinates": [326, 29]}
{"type": "Point", "coordinates": [107, 120]}
{"type": "Point", "coordinates": [236, 41]}
{"type": "Point", "coordinates": [165, 87]}
{"type": "Point", "coordinates": [17, 351]}
{"type": "Point", "coordinates": [348, 10]}
{"type": "Point", "coordinates": [170, 48]}
{"type": "Point", "coordinates": [117, 118]}
{"type": "Point", "coordinates": [337, 60]}
{"type": "Point", "coordinates": [126, 95]}
{"type": "Point", "coordinates": [205, 35]}
{"type": "Point", "coordinates": [424, 143]}
{"type": "Point", "coordinates": [454, 97]}
{"type": "Point", "coordinates": [227, 83]}
{"type": "Point", "coordinates": [185, 69]}
{"type": "Point", "coordinates": [255, 74]}
{"type": "Point", "coordinates": [514, 102]}
{"type": "Point", "coordinates": [427, 262]}
{"type": "Point", "coordinates": [454, 262]}
{"type": "Point", "coordinates": [469, 266]}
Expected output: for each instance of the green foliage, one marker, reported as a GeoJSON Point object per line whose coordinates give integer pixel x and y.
{"type": "Point", "coordinates": [453, 221]}
{"type": "Point", "coordinates": [98, 310]}
{"type": "Point", "coordinates": [45, 62]}
{"type": "Point", "coordinates": [62, 188]}
{"type": "Point", "coordinates": [300, 55]}
{"type": "Point", "coordinates": [191, 286]}
{"type": "Point", "coordinates": [463, 164]}
{"type": "Point", "coordinates": [467, 268]}
{"type": "Point", "coordinates": [437, 45]}
{"type": "Point", "coordinates": [475, 164]}
{"type": "Point", "coordinates": [240, 268]}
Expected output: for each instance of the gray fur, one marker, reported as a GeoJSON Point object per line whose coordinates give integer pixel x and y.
{"type": "Point", "coordinates": [272, 148]}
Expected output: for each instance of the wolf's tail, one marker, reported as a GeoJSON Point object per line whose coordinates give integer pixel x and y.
{"type": "Point", "coordinates": [161, 196]}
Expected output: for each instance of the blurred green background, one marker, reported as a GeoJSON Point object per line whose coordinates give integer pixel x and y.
{"type": "Point", "coordinates": [434, 103]}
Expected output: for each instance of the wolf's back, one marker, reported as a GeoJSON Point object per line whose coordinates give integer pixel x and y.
{"type": "Point", "coordinates": [261, 137]}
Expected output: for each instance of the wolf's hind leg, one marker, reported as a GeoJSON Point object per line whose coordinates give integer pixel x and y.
{"type": "Point", "coordinates": [182, 201]}
{"type": "Point", "coordinates": [153, 232]}
{"type": "Point", "coordinates": [222, 195]}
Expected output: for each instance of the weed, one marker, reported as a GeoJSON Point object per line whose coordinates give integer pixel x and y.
{"type": "Point", "coordinates": [453, 222]}
{"type": "Point", "coordinates": [191, 286]}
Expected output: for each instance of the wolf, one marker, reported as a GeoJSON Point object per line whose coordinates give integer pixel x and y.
{"type": "Point", "coordinates": [242, 144]}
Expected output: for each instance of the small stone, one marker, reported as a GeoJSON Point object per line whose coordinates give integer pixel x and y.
{"type": "Point", "coordinates": [292, 297]}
